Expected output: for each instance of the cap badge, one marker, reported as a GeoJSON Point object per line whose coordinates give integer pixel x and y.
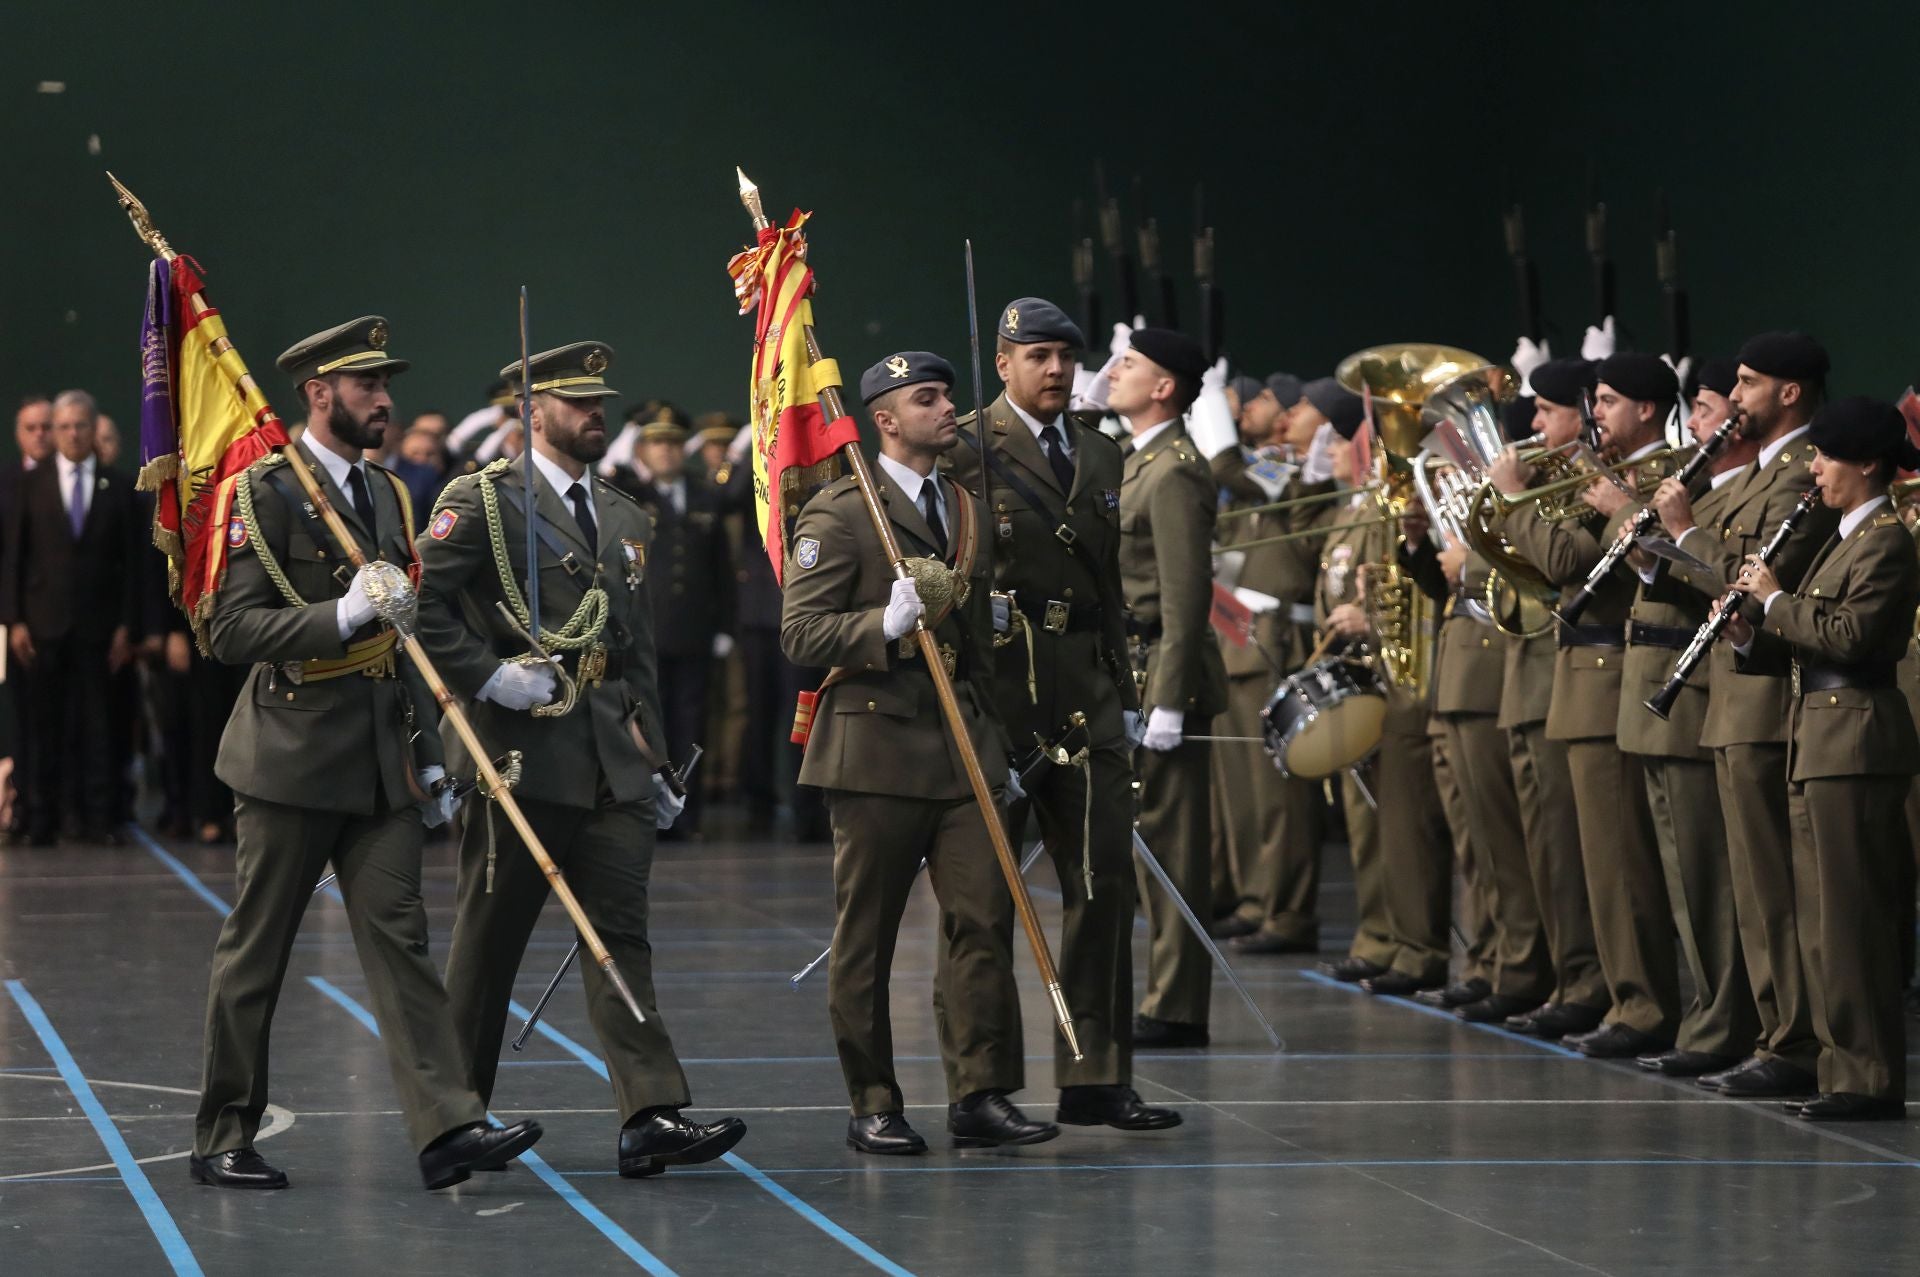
{"type": "Point", "coordinates": [595, 363]}
{"type": "Point", "coordinates": [377, 336]}
{"type": "Point", "coordinates": [1013, 319]}
{"type": "Point", "coordinates": [898, 368]}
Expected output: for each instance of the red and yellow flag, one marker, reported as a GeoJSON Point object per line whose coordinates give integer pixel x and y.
{"type": "Point", "coordinates": [795, 448]}
{"type": "Point", "coordinates": [203, 421]}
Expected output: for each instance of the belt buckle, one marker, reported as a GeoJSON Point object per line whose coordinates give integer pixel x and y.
{"type": "Point", "coordinates": [593, 664]}
{"type": "Point", "coordinates": [1055, 621]}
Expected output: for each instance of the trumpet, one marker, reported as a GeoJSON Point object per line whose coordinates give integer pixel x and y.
{"type": "Point", "coordinates": [1559, 499]}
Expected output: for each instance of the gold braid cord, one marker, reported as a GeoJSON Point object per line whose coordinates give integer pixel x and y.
{"type": "Point", "coordinates": [583, 627]}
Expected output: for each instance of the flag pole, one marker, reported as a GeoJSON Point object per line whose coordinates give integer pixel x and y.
{"type": "Point", "coordinates": [832, 406]}
{"type": "Point", "coordinates": [400, 617]}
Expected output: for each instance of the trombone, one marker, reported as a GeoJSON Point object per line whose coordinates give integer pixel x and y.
{"type": "Point", "coordinates": [1291, 503]}
{"type": "Point", "coordinates": [1555, 510]}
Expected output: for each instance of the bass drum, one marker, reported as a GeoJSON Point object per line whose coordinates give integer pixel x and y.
{"type": "Point", "coordinates": [1325, 718]}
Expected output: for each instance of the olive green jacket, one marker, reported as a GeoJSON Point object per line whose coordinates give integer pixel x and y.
{"type": "Point", "coordinates": [1285, 569]}
{"type": "Point", "coordinates": [1586, 680]}
{"type": "Point", "coordinates": [1167, 508]}
{"type": "Point", "coordinates": [1470, 657]}
{"type": "Point", "coordinates": [1669, 602]}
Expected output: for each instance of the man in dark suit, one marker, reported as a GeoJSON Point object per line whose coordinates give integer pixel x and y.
{"type": "Point", "coordinates": [69, 596]}
{"type": "Point", "coordinates": [689, 577]}
{"type": "Point", "coordinates": [33, 433]}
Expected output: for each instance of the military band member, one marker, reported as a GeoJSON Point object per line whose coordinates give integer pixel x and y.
{"type": "Point", "coordinates": [1779, 383]}
{"type": "Point", "coordinates": [330, 754]}
{"type": "Point", "coordinates": [1542, 778]}
{"type": "Point", "coordinates": [1167, 509]}
{"type": "Point", "coordinates": [896, 791]}
{"type": "Point", "coordinates": [1719, 1025]}
{"type": "Point", "coordinates": [1053, 530]}
{"type": "Point", "coordinates": [1626, 888]}
{"type": "Point", "coordinates": [588, 786]}
{"type": "Point", "coordinates": [1852, 755]}
{"type": "Point", "coordinates": [1402, 851]}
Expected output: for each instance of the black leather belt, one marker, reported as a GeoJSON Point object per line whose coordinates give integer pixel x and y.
{"type": "Point", "coordinates": [1057, 617]}
{"type": "Point", "coordinates": [1828, 678]}
{"type": "Point", "coordinates": [1589, 636]}
{"type": "Point", "coordinates": [1671, 636]}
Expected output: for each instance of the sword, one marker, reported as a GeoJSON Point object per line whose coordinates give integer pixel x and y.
{"type": "Point", "coordinates": [675, 780]}
{"type": "Point", "coordinates": [1145, 855]}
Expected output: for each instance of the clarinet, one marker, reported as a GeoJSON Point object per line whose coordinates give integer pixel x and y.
{"type": "Point", "coordinates": [1569, 615]}
{"type": "Point", "coordinates": [1716, 623]}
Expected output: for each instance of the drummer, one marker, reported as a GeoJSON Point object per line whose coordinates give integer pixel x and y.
{"type": "Point", "coordinates": [1400, 942]}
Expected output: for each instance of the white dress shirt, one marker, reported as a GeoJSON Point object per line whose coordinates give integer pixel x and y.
{"type": "Point", "coordinates": [910, 481]}
{"type": "Point", "coordinates": [561, 482]}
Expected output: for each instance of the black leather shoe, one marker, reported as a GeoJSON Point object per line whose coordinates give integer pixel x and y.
{"type": "Point", "coordinates": [1557, 1020]}
{"type": "Point", "coordinates": [1270, 942]}
{"type": "Point", "coordinates": [988, 1119]}
{"type": "Point", "coordinates": [1495, 1008]}
{"type": "Point", "coordinates": [453, 1157]}
{"type": "Point", "coordinates": [1231, 927]}
{"type": "Point", "coordinates": [1763, 1080]}
{"type": "Point", "coordinates": [1677, 1063]}
{"type": "Point", "coordinates": [663, 1138]}
{"type": "Point", "coordinates": [238, 1168]}
{"type": "Point", "coordinates": [1117, 1106]}
{"type": "Point", "coordinates": [1149, 1032]}
{"type": "Point", "coordinates": [1844, 1106]}
{"type": "Point", "coordinates": [1352, 970]}
{"type": "Point", "coordinates": [1454, 995]}
{"type": "Point", "coordinates": [1616, 1042]}
{"type": "Point", "coordinates": [1396, 984]}
{"type": "Point", "coordinates": [884, 1133]}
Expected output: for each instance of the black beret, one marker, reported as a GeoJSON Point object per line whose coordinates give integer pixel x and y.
{"type": "Point", "coordinates": [1647, 378]}
{"type": "Point", "coordinates": [1337, 404]}
{"type": "Point", "coordinates": [1285, 387]}
{"type": "Point", "coordinates": [1718, 375]}
{"type": "Point", "coordinates": [1861, 429]}
{"type": "Point", "coordinates": [1560, 381]}
{"type": "Point", "coordinates": [1516, 419]}
{"type": "Point", "coordinates": [1789, 356]}
{"type": "Point", "coordinates": [1178, 353]}
{"type": "Point", "coordinates": [908, 368]}
{"type": "Point", "coordinates": [1032, 319]}
{"type": "Point", "coordinates": [1248, 388]}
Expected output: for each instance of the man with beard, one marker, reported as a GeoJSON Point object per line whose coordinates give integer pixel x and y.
{"type": "Point", "coordinates": [895, 790]}
{"type": "Point", "coordinates": [588, 785]}
{"type": "Point", "coordinates": [329, 753]}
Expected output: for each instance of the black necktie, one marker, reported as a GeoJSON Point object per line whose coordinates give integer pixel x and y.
{"type": "Point", "coordinates": [362, 499]}
{"type": "Point", "coordinates": [1057, 456]}
{"type": "Point", "coordinates": [931, 508]}
{"type": "Point", "coordinates": [583, 515]}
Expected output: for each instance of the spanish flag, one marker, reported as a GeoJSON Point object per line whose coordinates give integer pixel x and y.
{"type": "Point", "coordinates": [203, 421]}
{"type": "Point", "coordinates": [795, 448]}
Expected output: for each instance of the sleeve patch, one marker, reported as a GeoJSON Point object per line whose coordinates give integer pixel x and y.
{"type": "Point", "coordinates": [443, 524]}
{"type": "Point", "coordinates": [236, 532]}
{"type": "Point", "coordinates": [806, 551]}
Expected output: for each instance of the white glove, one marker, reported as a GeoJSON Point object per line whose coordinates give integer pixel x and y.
{"type": "Point", "coordinates": [1134, 726]}
{"type": "Point", "coordinates": [1090, 389]}
{"type": "Point", "coordinates": [667, 805]}
{"type": "Point", "coordinates": [1680, 370]}
{"type": "Point", "coordinates": [1015, 790]}
{"type": "Point", "coordinates": [519, 687]}
{"type": "Point", "coordinates": [1123, 338]}
{"type": "Point", "coordinates": [903, 609]}
{"type": "Point", "coordinates": [1209, 420]}
{"type": "Point", "coordinates": [1002, 614]}
{"type": "Point", "coordinates": [1598, 343]}
{"type": "Point", "coordinates": [741, 445]}
{"type": "Point", "coordinates": [722, 646]}
{"type": "Point", "coordinates": [354, 609]}
{"type": "Point", "coordinates": [1527, 356]}
{"type": "Point", "coordinates": [1318, 467]}
{"type": "Point", "coordinates": [441, 804]}
{"type": "Point", "coordinates": [1163, 729]}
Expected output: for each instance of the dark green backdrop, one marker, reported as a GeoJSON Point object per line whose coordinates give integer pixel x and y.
{"type": "Point", "coordinates": [423, 160]}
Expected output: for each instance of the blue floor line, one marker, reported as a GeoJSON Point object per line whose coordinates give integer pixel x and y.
{"type": "Point", "coordinates": [619, 1236]}
{"type": "Point", "coordinates": [1516, 1039]}
{"type": "Point", "coordinates": [159, 1219]}
{"type": "Point", "coordinates": [185, 874]}
{"type": "Point", "coordinates": [744, 1167]}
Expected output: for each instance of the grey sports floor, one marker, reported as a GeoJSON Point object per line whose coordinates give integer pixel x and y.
{"type": "Point", "coordinates": [1383, 1138]}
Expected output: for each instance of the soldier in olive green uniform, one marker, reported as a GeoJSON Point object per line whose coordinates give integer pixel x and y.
{"type": "Point", "coordinates": [1167, 507]}
{"type": "Point", "coordinates": [1626, 887]}
{"type": "Point", "coordinates": [330, 753]}
{"type": "Point", "coordinates": [896, 789]}
{"type": "Point", "coordinates": [1720, 1024]}
{"type": "Point", "coordinates": [1777, 386]}
{"type": "Point", "coordinates": [1853, 755]}
{"type": "Point", "coordinates": [1541, 776]}
{"type": "Point", "coordinates": [1053, 531]}
{"type": "Point", "coordinates": [588, 787]}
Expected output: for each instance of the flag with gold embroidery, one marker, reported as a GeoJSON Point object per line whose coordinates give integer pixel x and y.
{"type": "Point", "coordinates": [795, 447]}
{"type": "Point", "coordinates": [203, 420]}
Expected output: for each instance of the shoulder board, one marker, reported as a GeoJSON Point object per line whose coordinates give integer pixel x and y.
{"type": "Point", "coordinates": [1886, 521]}
{"type": "Point", "coordinates": [840, 487]}
{"type": "Point", "coordinates": [272, 459]}
{"type": "Point", "coordinates": [606, 487]}
{"type": "Point", "coordinates": [1091, 437]}
{"type": "Point", "coordinates": [497, 467]}
{"type": "Point", "coordinates": [375, 465]}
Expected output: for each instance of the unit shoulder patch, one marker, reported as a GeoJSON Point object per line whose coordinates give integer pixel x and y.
{"type": "Point", "coordinates": [236, 532]}
{"type": "Point", "coordinates": [806, 551]}
{"type": "Point", "coordinates": [442, 524]}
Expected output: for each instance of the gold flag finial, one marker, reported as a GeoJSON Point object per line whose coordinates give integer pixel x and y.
{"type": "Point", "coordinates": [141, 219]}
